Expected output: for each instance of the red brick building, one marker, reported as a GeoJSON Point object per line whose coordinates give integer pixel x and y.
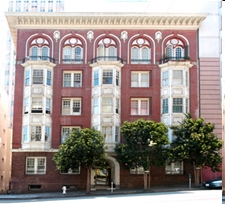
{"type": "Point", "coordinates": [77, 70]}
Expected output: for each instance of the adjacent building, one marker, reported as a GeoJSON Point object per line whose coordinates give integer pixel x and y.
{"type": "Point", "coordinates": [5, 143]}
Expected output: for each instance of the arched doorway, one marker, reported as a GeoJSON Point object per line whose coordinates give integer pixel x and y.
{"type": "Point", "coordinates": [101, 178]}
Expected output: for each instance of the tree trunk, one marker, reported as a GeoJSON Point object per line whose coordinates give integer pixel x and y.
{"type": "Point", "coordinates": [197, 170]}
{"type": "Point", "coordinates": [145, 180]}
{"type": "Point", "coordinates": [88, 187]}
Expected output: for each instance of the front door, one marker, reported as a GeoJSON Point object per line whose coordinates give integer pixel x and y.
{"type": "Point", "coordinates": [102, 177]}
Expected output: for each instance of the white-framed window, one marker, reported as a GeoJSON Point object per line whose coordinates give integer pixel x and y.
{"type": "Point", "coordinates": [67, 130]}
{"type": "Point", "coordinates": [39, 53]}
{"type": "Point", "coordinates": [165, 78]}
{"type": "Point", "coordinates": [25, 133]}
{"type": "Point", "coordinates": [27, 77]}
{"type": "Point", "coordinates": [117, 134]}
{"type": "Point", "coordinates": [117, 106]}
{"type": "Point", "coordinates": [35, 165]}
{"type": "Point", "coordinates": [48, 106]}
{"type": "Point", "coordinates": [37, 105]}
{"type": "Point", "coordinates": [141, 51]}
{"type": "Point", "coordinates": [49, 78]}
{"type": "Point", "coordinates": [73, 54]}
{"type": "Point", "coordinates": [107, 105]}
{"type": "Point", "coordinates": [177, 105]}
{"type": "Point", "coordinates": [47, 133]}
{"type": "Point", "coordinates": [107, 132]}
{"type": "Point", "coordinates": [38, 75]}
{"type": "Point", "coordinates": [26, 105]}
{"type": "Point", "coordinates": [71, 171]}
{"type": "Point", "coordinates": [139, 79]}
{"type": "Point", "coordinates": [140, 106]}
{"type": "Point", "coordinates": [95, 106]}
{"type": "Point", "coordinates": [137, 170]}
{"type": "Point", "coordinates": [36, 133]}
{"type": "Point", "coordinates": [117, 78]}
{"type": "Point", "coordinates": [174, 168]}
{"type": "Point", "coordinates": [107, 77]}
{"type": "Point", "coordinates": [96, 78]}
{"type": "Point", "coordinates": [177, 77]}
{"type": "Point", "coordinates": [175, 49]}
{"type": "Point", "coordinates": [72, 79]}
{"type": "Point", "coordinates": [186, 78]}
{"type": "Point", "coordinates": [107, 50]}
{"type": "Point", "coordinates": [165, 108]}
{"type": "Point", "coordinates": [187, 106]}
{"type": "Point", "coordinates": [71, 106]}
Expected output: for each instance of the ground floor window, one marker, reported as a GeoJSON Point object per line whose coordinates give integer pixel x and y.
{"type": "Point", "coordinates": [35, 165]}
{"type": "Point", "coordinates": [174, 168]}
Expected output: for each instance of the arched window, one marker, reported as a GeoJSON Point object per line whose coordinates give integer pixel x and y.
{"type": "Point", "coordinates": [107, 50]}
{"type": "Point", "coordinates": [176, 50]}
{"type": "Point", "coordinates": [39, 50]}
{"type": "Point", "coordinates": [73, 51]}
{"type": "Point", "coordinates": [140, 52]}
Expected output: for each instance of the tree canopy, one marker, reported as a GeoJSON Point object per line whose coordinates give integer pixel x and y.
{"type": "Point", "coordinates": [145, 144]}
{"type": "Point", "coordinates": [81, 148]}
{"type": "Point", "coordinates": [196, 142]}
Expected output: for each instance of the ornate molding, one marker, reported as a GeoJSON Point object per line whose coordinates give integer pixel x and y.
{"type": "Point", "coordinates": [63, 20]}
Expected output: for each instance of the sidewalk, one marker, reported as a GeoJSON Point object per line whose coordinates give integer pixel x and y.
{"type": "Point", "coordinates": [95, 193]}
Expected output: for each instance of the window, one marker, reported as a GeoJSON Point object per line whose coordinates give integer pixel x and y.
{"type": "Point", "coordinates": [140, 79]}
{"type": "Point", "coordinates": [165, 106]}
{"type": "Point", "coordinates": [107, 105]}
{"type": "Point", "coordinates": [25, 134]}
{"type": "Point", "coordinates": [117, 78]}
{"type": "Point", "coordinates": [71, 171]}
{"type": "Point", "coordinates": [47, 133]}
{"type": "Point", "coordinates": [48, 106]}
{"type": "Point", "coordinates": [36, 133]}
{"type": "Point", "coordinates": [26, 105]}
{"type": "Point", "coordinates": [107, 132]}
{"type": "Point", "coordinates": [72, 79]}
{"type": "Point", "coordinates": [139, 106]}
{"type": "Point", "coordinates": [27, 77]}
{"type": "Point", "coordinates": [117, 134]}
{"type": "Point", "coordinates": [71, 106]}
{"type": "Point", "coordinates": [140, 52]}
{"type": "Point", "coordinates": [37, 76]}
{"type": "Point", "coordinates": [174, 168]}
{"type": "Point", "coordinates": [36, 106]}
{"type": "Point", "coordinates": [117, 105]}
{"type": "Point", "coordinates": [49, 77]}
{"type": "Point", "coordinates": [107, 77]}
{"type": "Point", "coordinates": [177, 105]}
{"type": "Point", "coordinates": [137, 170]}
{"type": "Point", "coordinates": [177, 77]}
{"type": "Point", "coordinates": [72, 51]}
{"type": "Point", "coordinates": [96, 78]}
{"type": "Point", "coordinates": [35, 165]}
{"type": "Point", "coordinates": [95, 106]}
{"type": "Point", "coordinates": [107, 50]}
{"type": "Point", "coordinates": [66, 131]}
{"type": "Point", "coordinates": [39, 52]}
{"type": "Point", "coordinates": [165, 78]}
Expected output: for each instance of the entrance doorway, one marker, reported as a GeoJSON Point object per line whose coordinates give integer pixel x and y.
{"type": "Point", "coordinates": [102, 177]}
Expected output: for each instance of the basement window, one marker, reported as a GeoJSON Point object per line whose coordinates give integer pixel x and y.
{"type": "Point", "coordinates": [34, 187]}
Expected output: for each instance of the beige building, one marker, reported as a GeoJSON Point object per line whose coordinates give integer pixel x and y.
{"type": "Point", "coordinates": [5, 143]}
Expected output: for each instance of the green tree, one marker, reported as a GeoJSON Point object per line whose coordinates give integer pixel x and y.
{"type": "Point", "coordinates": [85, 148]}
{"type": "Point", "coordinates": [145, 145]}
{"type": "Point", "coordinates": [195, 142]}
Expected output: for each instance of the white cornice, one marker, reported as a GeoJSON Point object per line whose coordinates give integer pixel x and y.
{"type": "Point", "coordinates": [63, 20]}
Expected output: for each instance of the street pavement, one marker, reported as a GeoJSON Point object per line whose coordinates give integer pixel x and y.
{"type": "Point", "coordinates": [97, 193]}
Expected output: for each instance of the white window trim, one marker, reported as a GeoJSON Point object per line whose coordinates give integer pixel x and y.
{"type": "Point", "coordinates": [70, 111]}
{"type": "Point", "coordinates": [35, 169]}
{"type": "Point", "coordinates": [72, 78]}
{"type": "Point", "coordinates": [139, 105]}
{"type": "Point", "coordinates": [139, 80]}
{"type": "Point", "coordinates": [63, 136]}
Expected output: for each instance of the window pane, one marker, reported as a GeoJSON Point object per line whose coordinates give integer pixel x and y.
{"type": "Point", "coordinates": [77, 80]}
{"type": "Point", "coordinates": [169, 50]}
{"type": "Point", "coordinates": [30, 166]}
{"type": "Point", "coordinates": [36, 133]}
{"type": "Point", "coordinates": [134, 55]}
{"type": "Point", "coordinates": [41, 165]}
{"type": "Point", "coordinates": [76, 106]}
{"type": "Point", "coordinates": [107, 77]}
{"type": "Point", "coordinates": [107, 105]}
{"type": "Point", "coordinates": [95, 104]}
{"type": "Point", "coordinates": [27, 78]}
{"type": "Point", "coordinates": [37, 76]}
{"type": "Point", "coordinates": [67, 53]}
{"type": "Point", "coordinates": [165, 78]}
{"type": "Point", "coordinates": [177, 105]}
{"type": "Point", "coordinates": [134, 80]}
{"type": "Point", "coordinates": [96, 78]}
{"type": "Point", "coordinates": [134, 107]}
{"type": "Point", "coordinates": [67, 79]}
{"type": "Point", "coordinates": [77, 54]}
{"type": "Point", "coordinates": [25, 133]}
{"type": "Point", "coordinates": [49, 77]}
{"type": "Point", "coordinates": [144, 107]}
{"type": "Point", "coordinates": [45, 52]}
{"type": "Point", "coordinates": [144, 80]}
{"type": "Point", "coordinates": [165, 106]}
{"type": "Point", "coordinates": [177, 77]}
